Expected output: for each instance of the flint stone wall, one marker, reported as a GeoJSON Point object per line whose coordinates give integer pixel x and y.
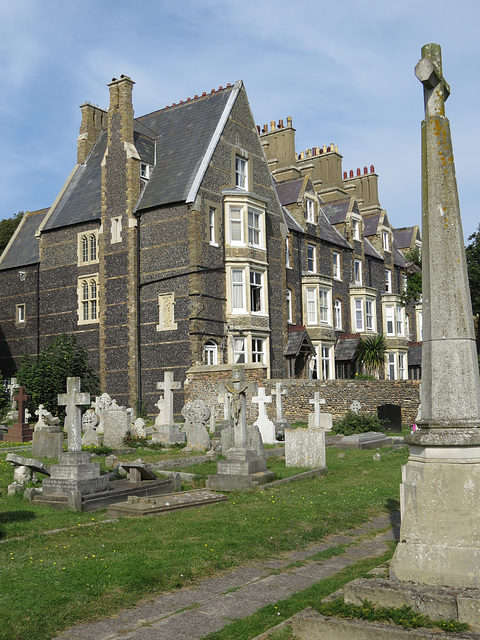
{"type": "Point", "coordinates": [339, 394]}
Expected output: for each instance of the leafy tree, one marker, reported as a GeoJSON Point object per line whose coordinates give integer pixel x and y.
{"type": "Point", "coordinates": [371, 353]}
{"type": "Point", "coordinates": [414, 278]}
{"type": "Point", "coordinates": [7, 229]}
{"type": "Point", "coordinates": [472, 252]}
{"type": "Point", "coordinates": [45, 376]}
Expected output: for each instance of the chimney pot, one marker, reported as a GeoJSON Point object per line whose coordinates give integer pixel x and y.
{"type": "Point", "coordinates": [365, 171]}
{"type": "Point", "coordinates": [289, 121]}
{"type": "Point", "coordinates": [273, 126]}
{"type": "Point", "coordinates": [359, 173]}
{"type": "Point", "coordinates": [280, 124]}
{"type": "Point", "coordinates": [220, 88]}
{"type": "Point", "coordinates": [228, 84]}
{"type": "Point", "coordinates": [344, 175]}
{"type": "Point", "coordinates": [314, 151]}
{"type": "Point", "coordinates": [196, 95]}
{"type": "Point", "coordinates": [351, 173]}
{"type": "Point", "coordinates": [372, 169]}
{"type": "Point", "coordinates": [258, 129]}
{"type": "Point", "coordinates": [204, 93]}
{"type": "Point", "coordinates": [212, 91]}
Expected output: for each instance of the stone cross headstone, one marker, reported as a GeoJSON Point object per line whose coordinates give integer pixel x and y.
{"type": "Point", "coordinates": [356, 407]}
{"type": "Point", "coordinates": [237, 389]}
{"type": "Point", "coordinates": [168, 386]}
{"type": "Point", "coordinates": [317, 403]}
{"type": "Point", "coordinates": [73, 400]}
{"type": "Point", "coordinates": [265, 425]}
{"type": "Point", "coordinates": [278, 393]}
{"type": "Point", "coordinates": [224, 400]}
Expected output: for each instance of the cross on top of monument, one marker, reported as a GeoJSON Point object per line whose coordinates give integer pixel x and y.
{"type": "Point", "coordinates": [73, 400]}
{"type": "Point", "coordinates": [317, 402]}
{"type": "Point", "coordinates": [435, 88]}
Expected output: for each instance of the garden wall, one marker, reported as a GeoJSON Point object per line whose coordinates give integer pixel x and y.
{"type": "Point", "coordinates": [207, 383]}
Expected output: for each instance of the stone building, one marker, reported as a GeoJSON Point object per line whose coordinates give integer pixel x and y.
{"type": "Point", "coordinates": [187, 237]}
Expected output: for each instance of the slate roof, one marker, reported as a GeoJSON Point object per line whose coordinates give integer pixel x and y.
{"type": "Point", "coordinates": [403, 237]}
{"type": "Point", "coordinates": [336, 211]}
{"type": "Point", "coordinates": [329, 233]}
{"type": "Point", "coordinates": [288, 192]}
{"type": "Point", "coordinates": [346, 348]}
{"type": "Point", "coordinates": [370, 224]}
{"type": "Point", "coordinates": [175, 139]}
{"type": "Point", "coordinates": [398, 257]}
{"type": "Point", "coordinates": [290, 221]}
{"type": "Point", "coordinates": [296, 340]}
{"type": "Point", "coordinates": [22, 249]}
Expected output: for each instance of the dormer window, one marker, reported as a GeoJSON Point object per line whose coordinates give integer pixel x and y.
{"type": "Point", "coordinates": [385, 241]}
{"type": "Point", "coordinates": [356, 229]}
{"type": "Point", "coordinates": [310, 210]}
{"type": "Point", "coordinates": [144, 171]}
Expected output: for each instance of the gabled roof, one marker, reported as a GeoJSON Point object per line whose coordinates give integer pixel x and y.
{"type": "Point", "coordinates": [179, 141]}
{"type": "Point", "coordinates": [346, 347]}
{"type": "Point", "coordinates": [337, 211]}
{"type": "Point", "coordinates": [290, 221]}
{"type": "Point", "coordinates": [298, 339]}
{"type": "Point", "coordinates": [370, 224]}
{"type": "Point", "coordinates": [398, 257]}
{"type": "Point", "coordinates": [403, 237]}
{"type": "Point", "coordinates": [329, 233]}
{"type": "Point", "coordinates": [22, 250]}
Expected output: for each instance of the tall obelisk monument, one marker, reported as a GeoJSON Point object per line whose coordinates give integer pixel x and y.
{"type": "Point", "coordinates": [440, 531]}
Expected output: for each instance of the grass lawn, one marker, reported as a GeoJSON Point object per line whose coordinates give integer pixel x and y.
{"type": "Point", "coordinates": [82, 573]}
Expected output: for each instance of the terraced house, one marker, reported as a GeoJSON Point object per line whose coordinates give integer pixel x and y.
{"type": "Point", "coordinates": [188, 237]}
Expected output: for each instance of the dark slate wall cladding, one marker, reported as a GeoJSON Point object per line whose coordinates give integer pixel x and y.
{"type": "Point", "coordinates": [116, 263]}
{"type": "Point", "coordinates": [117, 288]}
{"type": "Point", "coordinates": [117, 336]}
{"type": "Point", "coordinates": [116, 358]}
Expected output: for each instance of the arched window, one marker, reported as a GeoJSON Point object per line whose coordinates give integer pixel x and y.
{"type": "Point", "coordinates": [210, 351]}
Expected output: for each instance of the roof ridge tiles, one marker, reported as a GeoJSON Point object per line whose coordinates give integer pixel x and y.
{"type": "Point", "coordinates": [189, 100]}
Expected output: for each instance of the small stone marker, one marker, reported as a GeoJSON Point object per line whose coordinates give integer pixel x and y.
{"type": "Point", "coordinates": [356, 407]}
{"type": "Point", "coordinates": [73, 400]}
{"type": "Point", "coordinates": [196, 416]}
{"type": "Point", "coordinates": [280, 423]}
{"type": "Point", "coordinates": [264, 424]}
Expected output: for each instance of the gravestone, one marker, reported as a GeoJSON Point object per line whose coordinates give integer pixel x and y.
{"type": "Point", "coordinates": [90, 421]}
{"type": "Point", "coordinates": [318, 419]}
{"type": "Point", "coordinates": [20, 432]}
{"type": "Point", "coordinates": [165, 430]}
{"type": "Point", "coordinates": [243, 468]}
{"type": "Point", "coordinates": [138, 428]}
{"type": "Point", "coordinates": [12, 387]}
{"type": "Point", "coordinates": [224, 400]}
{"type": "Point", "coordinates": [368, 440]}
{"type": "Point", "coordinates": [116, 423]}
{"type": "Point", "coordinates": [390, 415]}
{"type": "Point", "coordinates": [254, 439]}
{"type": "Point", "coordinates": [264, 424]}
{"type": "Point", "coordinates": [74, 476]}
{"type": "Point", "coordinates": [47, 440]}
{"type": "Point", "coordinates": [280, 422]}
{"type": "Point", "coordinates": [196, 416]}
{"type": "Point", "coordinates": [356, 407]}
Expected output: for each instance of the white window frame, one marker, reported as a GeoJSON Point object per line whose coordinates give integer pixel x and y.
{"type": "Point", "coordinates": [238, 284]}
{"type": "Point", "coordinates": [311, 261]}
{"type": "Point", "coordinates": [359, 315]}
{"type": "Point", "coordinates": [400, 322]}
{"type": "Point", "coordinates": [324, 306]}
{"type": "Point", "coordinates": [390, 320]}
{"type": "Point", "coordinates": [257, 285]}
{"type": "Point", "coordinates": [336, 266]}
{"type": "Point", "coordinates": [388, 280]}
{"type": "Point", "coordinates": [166, 312]}
{"type": "Point", "coordinates": [236, 223]}
{"type": "Point", "coordinates": [404, 282]}
{"type": "Point", "coordinates": [311, 299]}
{"type": "Point", "coordinates": [356, 229]}
{"type": "Point", "coordinates": [116, 229]}
{"type": "Point", "coordinates": [258, 350]}
{"type": "Point", "coordinates": [87, 295]}
{"type": "Point", "coordinates": [255, 228]}
{"type": "Point", "coordinates": [289, 306]}
{"type": "Point", "coordinates": [407, 326]}
{"type": "Point", "coordinates": [326, 362]}
{"type": "Point", "coordinates": [144, 171]}
{"type": "Point", "coordinates": [241, 173]}
{"type": "Point", "coordinates": [20, 313]}
{"type": "Point", "coordinates": [212, 227]}
{"type": "Point", "coordinates": [87, 247]}
{"type": "Point", "coordinates": [386, 241]}
{"type": "Point", "coordinates": [310, 210]}
{"type": "Point", "coordinates": [287, 253]}
{"type": "Point", "coordinates": [402, 369]}
{"type": "Point", "coordinates": [239, 348]}
{"type": "Point", "coordinates": [370, 315]}
{"type": "Point", "coordinates": [210, 353]}
{"type": "Point", "coordinates": [392, 366]}
{"type": "Point", "coordinates": [337, 312]}
{"type": "Point", "coordinates": [357, 271]}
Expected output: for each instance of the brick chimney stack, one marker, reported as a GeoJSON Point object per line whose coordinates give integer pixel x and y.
{"type": "Point", "coordinates": [94, 120]}
{"type": "Point", "coordinates": [121, 107]}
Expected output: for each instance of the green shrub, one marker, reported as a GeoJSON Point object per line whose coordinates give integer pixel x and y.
{"type": "Point", "coordinates": [357, 423]}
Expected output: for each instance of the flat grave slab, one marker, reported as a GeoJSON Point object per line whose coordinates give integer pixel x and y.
{"type": "Point", "coordinates": [138, 471]}
{"type": "Point", "coordinates": [31, 463]}
{"type": "Point", "coordinates": [369, 440]}
{"type": "Point", "coordinates": [146, 506]}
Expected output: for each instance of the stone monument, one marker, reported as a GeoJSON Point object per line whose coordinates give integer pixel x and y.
{"type": "Point", "coordinates": [264, 424]}
{"type": "Point", "coordinates": [243, 467]}
{"type": "Point", "coordinates": [47, 441]}
{"type": "Point", "coordinates": [74, 476]}
{"type": "Point", "coordinates": [306, 447]}
{"type": "Point", "coordinates": [317, 419]}
{"type": "Point", "coordinates": [166, 431]}
{"type": "Point", "coordinates": [20, 432]}
{"type": "Point", "coordinates": [196, 416]}
{"type": "Point", "coordinates": [280, 422]}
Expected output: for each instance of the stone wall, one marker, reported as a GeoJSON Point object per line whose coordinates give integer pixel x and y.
{"type": "Point", "coordinates": [339, 394]}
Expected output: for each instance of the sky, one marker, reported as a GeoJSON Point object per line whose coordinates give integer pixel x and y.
{"type": "Point", "coordinates": [343, 69]}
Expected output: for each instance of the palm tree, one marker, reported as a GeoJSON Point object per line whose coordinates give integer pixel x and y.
{"type": "Point", "coordinates": [371, 353]}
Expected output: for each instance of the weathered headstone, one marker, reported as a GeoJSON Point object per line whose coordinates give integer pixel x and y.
{"type": "Point", "coordinates": [138, 428]}
{"type": "Point", "coordinates": [73, 400]}
{"type": "Point", "coordinates": [305, 448]}
{"type": "Point", "coordinates": [264, 424]}
{"type": "Point", "coordinates": [12, 387]}
{"type": "Point", "coordinates": [254, 439]}
{"type": "Point", "coordinates": [317, 419]}
{"type": "Point", "coordinates": [356, 407]}
{"type": "Point", "coordinates": [47, 440]}
{"type": "Point", "coordinates": [280, 422]}
{"type": "Point", "coordinates": [196, 416]}
{"type": "Point", "coordinates": [20, 432]}
{"type": "Point", "coordinates": [224, 400]}
{"type": "Point", "coordinates": [390, 415]}
{"type": "Point", "coordinates": [166, 431]}
{"type": "Point", "coordinates": [243, 468]}
{"type": "Point", "coordinates": [116, 422]}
